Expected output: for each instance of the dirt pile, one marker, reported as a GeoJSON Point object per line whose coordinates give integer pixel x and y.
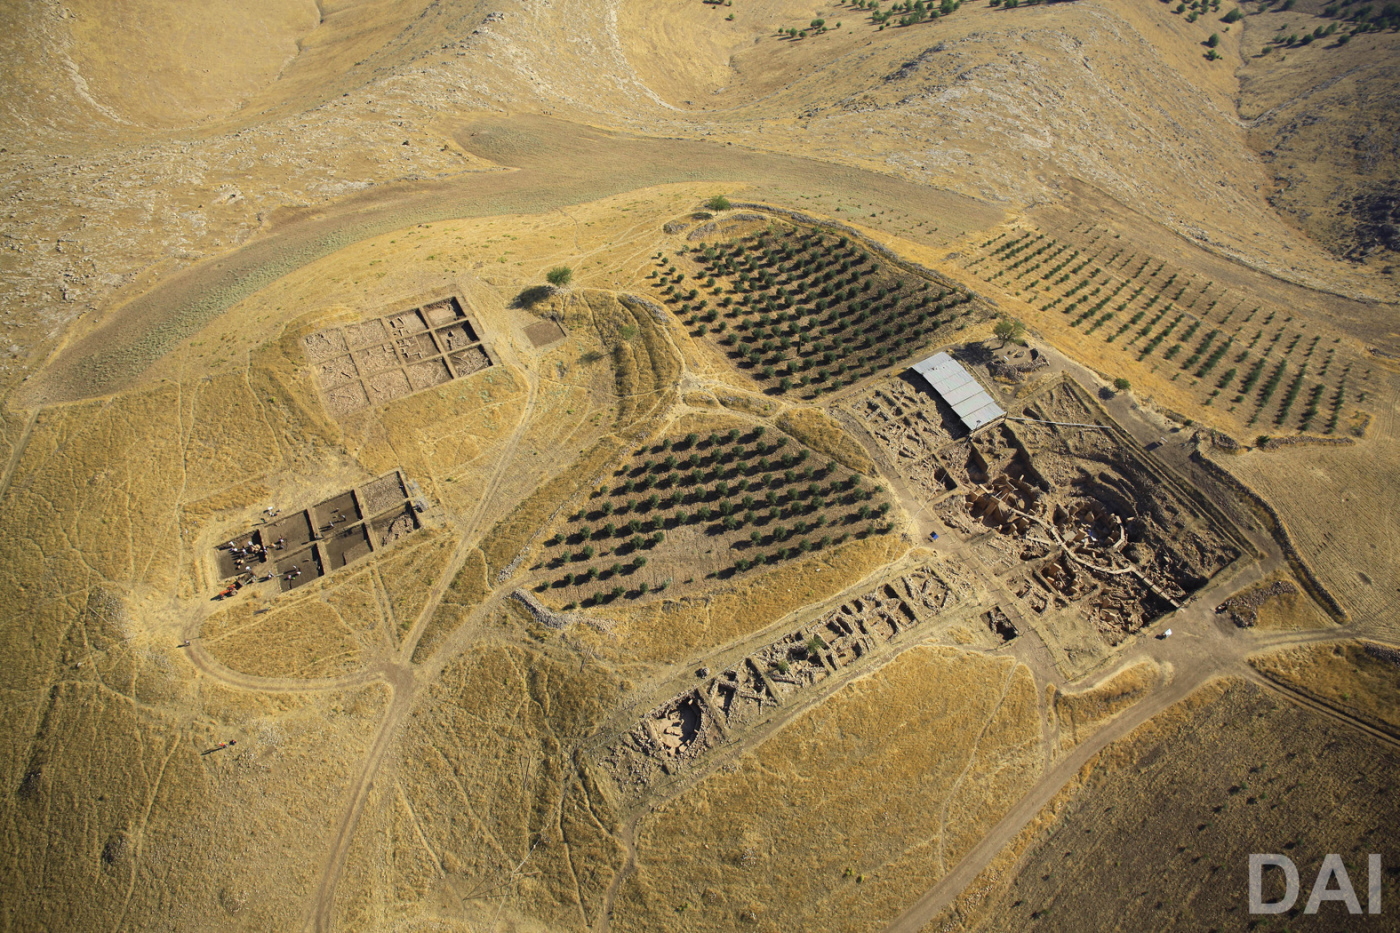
{"type": "Point", "coordinates": [1243, 609]}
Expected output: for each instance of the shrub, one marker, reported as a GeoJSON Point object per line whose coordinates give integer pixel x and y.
{"type": "Point", "coordinates": [559, 276]}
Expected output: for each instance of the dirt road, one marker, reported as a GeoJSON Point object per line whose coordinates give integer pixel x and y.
{"type": "Point", "coordinates": [553, 164]}
{"type": "Point", "coordinates": [1200, 649]}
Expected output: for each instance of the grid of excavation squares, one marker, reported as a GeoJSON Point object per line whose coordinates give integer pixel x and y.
{"type": "Point", "coordinates": [298, 548]}
{"type": "Point", "coordinates": [377, 361]}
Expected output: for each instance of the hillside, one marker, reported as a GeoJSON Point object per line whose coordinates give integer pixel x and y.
{"type": "Point", "coordinates": [355, 578]}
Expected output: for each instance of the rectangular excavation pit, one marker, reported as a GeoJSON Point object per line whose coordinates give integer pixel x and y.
{"type": "Point", "coordinates": [326, 344]}
{"type": "Point", "coordinates": [299, 569]}
{"type": "Point", "coordinates": [408, 322]}
{"type": "Point", "coordinates": [365, 334]}
{"type": "Point", "coordinates": [376, 359]}
{"type": "Point", "coordinates": [340, 511]}
{"type": "Point", "coordinates": [382, 494]}
{"type": "Point", "coordinates": [387, 386]}
{"type": "Point", "coordinates": [881, 626]}
{"type": "Point", "coordinates": [417, 348]}
{"type": "Point", "coordinates": [741, 695]}
{"type": "Point", "coordinates": [396, 525]}
{"type": "Point", "coordinates": [999, 624]}
{"type": "Point", "coordinates": [338, 372]}
{"type": "Point", "coordinates": [228, 560]}
{"type": "Point", "coordinates": [342, 400]}
{"type": "Point", "coordinates": [347, 546]}
{"type": "Point", "coordinates": [456, 336]}
{"type": "Point", "coordinates": [440, 313]}
{"type": "Point", "coordinates": [290, 534]}
{"type": "Point", "coordinates": [473, 360]}
{"type": "Point", "coordinates": [426, 375]}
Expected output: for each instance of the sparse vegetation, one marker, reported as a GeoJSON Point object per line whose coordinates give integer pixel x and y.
{"type": "Point", "coordinates": [707, 492]}
{"type": "Point", "coordinates": [807, 313]}
{"type": "Point", "coordinates": [1167, 316]}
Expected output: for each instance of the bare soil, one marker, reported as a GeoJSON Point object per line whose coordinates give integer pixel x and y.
{"type": "Point", "coordinates": [1157, 839]}
{"type": "Point", "coordinates": [256, 270]}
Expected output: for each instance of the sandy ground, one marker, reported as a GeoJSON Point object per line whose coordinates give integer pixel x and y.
{"type": "Point", "coordinates": [402, 744]}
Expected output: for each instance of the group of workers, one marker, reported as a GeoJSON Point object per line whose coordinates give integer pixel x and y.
{"type": "Point", "coordinates": [247, 554]}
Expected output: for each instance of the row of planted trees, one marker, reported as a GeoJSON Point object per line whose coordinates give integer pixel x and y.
{"type": "Point", "coordinates": [803, 312]}
{"type": "Point", "coordinates": [789, 504]}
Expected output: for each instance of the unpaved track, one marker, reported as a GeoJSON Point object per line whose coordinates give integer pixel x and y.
{"type": "Point", "coordinates": [1200, 650]}
{"type": "Point", "coordinates": [16, 452]}
{"type": "Point", "coordinates": [1299, 698]}
{"type": "Point", "coordinates": [321, 914]}
{"type": "Point", "coordinates": [228, 677]}
{"type": "Point", "coordinates": [937, 898]}
{"type": "Point", "coordinates": [555, 164]}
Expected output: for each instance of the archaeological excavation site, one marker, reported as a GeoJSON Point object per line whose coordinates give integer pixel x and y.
{"type": "Point", "coordinates": [378, 360]}
{"type": "Point", "coordinates": [709, 466]}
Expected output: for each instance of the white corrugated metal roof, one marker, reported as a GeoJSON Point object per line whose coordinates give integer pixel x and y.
{"type": "Point", "coordinates": [959, 389]}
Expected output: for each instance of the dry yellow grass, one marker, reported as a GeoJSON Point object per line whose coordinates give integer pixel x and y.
{"type": "Point", "coordinates": [468, 589]}
{"type": "Point", "coordinates": [115, 776]}
{"type": "Point", "coordinates": [308, 638]}
{"type": "Point", "coordinates": [483, 811]}
{"type": "Point", "coordinates": [1081, 712]}
{"type": "Point", "coordinates": [510, 536]}
{"type": "Point", "coordinates": [1287, 611]}
{"type": "Point", "coordinates": [669, 631]}
{"type": "Point", "coordinates": [194, 65]}
{"type": "Point", "coordinates": [330, 627]}
{"type": "Point", "coordinates": [1335, 504]}
{"type": "Point", "coordinates": [842, 817]}
{"type": "Point", "coordinates": [1347, 676]}
{"type": "Point", "coordinates": [407, 574]}
{"type": "Point", "coordinates": [1175, 810]}
{"type": "Point", "coordinates": [819, 431]}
